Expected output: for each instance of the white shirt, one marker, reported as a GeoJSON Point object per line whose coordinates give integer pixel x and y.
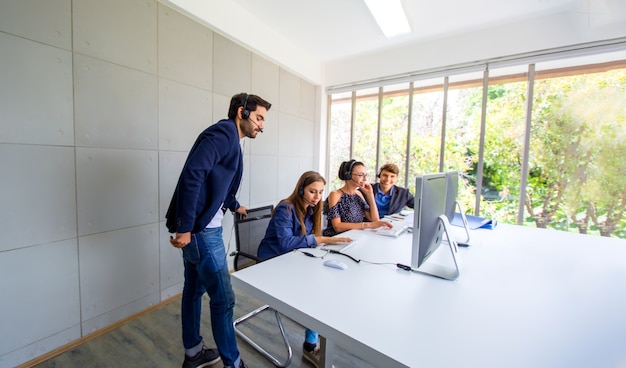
{"type": "Point", "coordinates": [216, 221]}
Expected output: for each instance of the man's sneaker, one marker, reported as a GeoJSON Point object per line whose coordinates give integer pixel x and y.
{"type": "Point", "coordinates": [242, 364]}
{"type": "Point", "coordinates": [312, 356]}
{"type": "Point", "coordinates": [204, 358]}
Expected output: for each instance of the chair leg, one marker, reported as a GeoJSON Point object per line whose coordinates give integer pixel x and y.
{"type": "Point", "coordinates": [256, 346]}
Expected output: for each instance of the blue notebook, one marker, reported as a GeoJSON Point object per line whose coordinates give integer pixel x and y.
{"type": "Point", "coordinates": [474, 222]}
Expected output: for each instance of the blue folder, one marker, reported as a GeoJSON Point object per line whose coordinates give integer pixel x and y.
{"type": "Point", "coordinates": [474, 222]}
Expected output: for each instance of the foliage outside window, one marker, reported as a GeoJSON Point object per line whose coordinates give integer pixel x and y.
{"type": "Point", "coordinates": [576, 179]}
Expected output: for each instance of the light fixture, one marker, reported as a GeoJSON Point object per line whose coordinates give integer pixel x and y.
{"type": "Point", "coordinates": [390, 16]}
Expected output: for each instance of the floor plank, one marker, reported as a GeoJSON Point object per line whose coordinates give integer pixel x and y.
{"type": "Point", "coordinates": [154, 340]}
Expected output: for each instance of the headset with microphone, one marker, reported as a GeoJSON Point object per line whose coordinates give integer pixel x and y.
{"type": "Point", "coordinates": [345, 171]}
{"type": "Point", "coordinates": [301, 192]}
{"type": "Point", "coordinates": [245, 114]}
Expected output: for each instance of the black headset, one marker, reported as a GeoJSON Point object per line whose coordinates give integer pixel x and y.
{"type": "Point", "coordinates": [305, 182]}
{"type": "Point", "coordinates": [345, 170]}
{"type": "Point", "coordinates": [245, 113]}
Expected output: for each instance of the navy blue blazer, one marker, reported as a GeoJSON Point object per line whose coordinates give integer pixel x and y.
{"type": "Point", "coordinates": [210, 177]}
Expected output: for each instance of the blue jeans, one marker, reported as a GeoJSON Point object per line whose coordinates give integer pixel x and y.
{"type": "Point", "coordinates": [206, 269]}
{"type": "Point", "coordinates": [310, 336]}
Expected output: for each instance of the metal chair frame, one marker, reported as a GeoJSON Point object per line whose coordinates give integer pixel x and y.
{"type": "Point", "coordinates": [255, 214]}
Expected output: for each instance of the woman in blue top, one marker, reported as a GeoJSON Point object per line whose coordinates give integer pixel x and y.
{"type": "Point", "coordinates": [297, 223]}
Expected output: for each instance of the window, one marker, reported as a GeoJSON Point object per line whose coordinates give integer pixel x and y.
{"type": "Point", "coordinates": [544, 145]}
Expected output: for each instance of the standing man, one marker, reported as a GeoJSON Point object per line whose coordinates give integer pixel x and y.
{"type": "Point", "coordinates": [390, 198]}
{"type": "Point", "coordinates": [207, 186]}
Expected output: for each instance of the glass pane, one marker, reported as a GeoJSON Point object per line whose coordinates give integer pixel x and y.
{"type": "Point", "coordinates": [394, 128]}
{"type": "Point", "coordinates": [426, 126]}
{"type": "Point", "coordinates": [578, 149]}
{"type": "Point", "coordinates": [463, 114]}
{"type": "Point", "coordinates": [339, 136]}
{"type": "Point", "coordinates": [504, 143]}
{"type": "Point", "coordinates": [366, 129]}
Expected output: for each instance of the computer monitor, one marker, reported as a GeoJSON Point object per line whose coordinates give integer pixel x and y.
{"type": "Point", "coordinates": [452, 204]}
{"type": "Point", "coordinates": [452, 188]}
{"type": "Point", "coordinates": [429, 225]}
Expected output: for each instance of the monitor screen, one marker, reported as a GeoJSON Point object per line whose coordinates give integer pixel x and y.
{"type": "Point", "coordinates": [430, 200]}
{"type": "Point", "coordinates": [452, 178]}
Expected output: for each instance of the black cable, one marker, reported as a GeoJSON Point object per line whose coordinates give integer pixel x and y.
{"type": "Point", "coordinates": [308, 254]}
{"type": "Point", "coordinates": [334, 251]}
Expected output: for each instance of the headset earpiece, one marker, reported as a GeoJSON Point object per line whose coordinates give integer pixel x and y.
{"type": "Point", "coordinates": [345, 170]}
{"type": "Point", "coordinates": [245, 113]}
{"type": "Point", "coordinates": [301, 190]}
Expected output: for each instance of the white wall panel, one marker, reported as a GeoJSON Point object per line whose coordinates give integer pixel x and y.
{"type": "Point", "coordinates": [46, 21]}
{"type": "Point", "coordinates": [35, 93]}
{"type": "Point", "coordinates": [266, 81]}
{"type": "Point", "coordinates": [290, 92]}
{"type": "Point", "coordinates": [45, 277]}
{"type": "Point", "coordinates": [170, 166]}
{"type": "Point", "coordinates": [243, 194]}
{"type": "Point", "coordinates": [170, 265]}
{"type": "Point", "coordinates": [37, 199]}
{"type": "Point", "coordinates": [115, 189]}
{"type": "Point", "coordinates": [184, 112]}
{"type": "Point", "coordinates": [263, 181]}
{"type": "Point", "coordinates": [266, 143]}
{"type": "Point", "coordinates": [116, 107]}
{"type": "Point", "coordinates": [296, 136]}
{"type": "Point", "coordinates": [288, 175]}
{"type": "Point", "coordinates": [185, 49]}
{"type": "Point", "coordinates": [120, 31]}
{"type": "Point", "coordinates": [307, 101]}
{"type": "Point", "coordinates": [40, 347]}
{"type": "Point", "coordinates": [118, 268]}
{"type": "Point", "coordinates": [220, 107]}
{"type": "Point", "coordinates": [231, 68]}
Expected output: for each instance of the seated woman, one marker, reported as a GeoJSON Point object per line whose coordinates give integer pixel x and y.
{"type": "Point", "coordinates": [353, 205]}
{"type": "Point", "coordinates": [297, 223]}
{"type": "Point", "coordinates": [390, 198]}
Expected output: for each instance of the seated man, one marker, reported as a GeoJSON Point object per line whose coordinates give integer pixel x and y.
{"type": "Point", "coordinates": [390, 198]}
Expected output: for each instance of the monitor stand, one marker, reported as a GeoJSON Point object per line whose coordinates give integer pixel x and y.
{"type": "Point", "coordinates": [447, 273]}
{"type": "Point", "coordinates": [465, 223]}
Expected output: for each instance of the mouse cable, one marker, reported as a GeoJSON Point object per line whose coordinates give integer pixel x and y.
{"type": "Point", "coordinates": [309, 254]}
{"type": "Point", "coordinates": [378, 263]}
{"type": "Point", "coordinates": [334, 251]}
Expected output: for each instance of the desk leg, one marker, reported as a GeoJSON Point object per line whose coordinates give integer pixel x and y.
{"type": "Point", "coordinates": [327, 352]}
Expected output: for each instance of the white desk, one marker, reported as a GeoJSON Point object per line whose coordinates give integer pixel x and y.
{"type": "Point", "coordinates": [525, 298]}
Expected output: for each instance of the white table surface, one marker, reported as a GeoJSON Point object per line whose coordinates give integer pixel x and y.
{"type": "Point", "coordinates": [525, 297]}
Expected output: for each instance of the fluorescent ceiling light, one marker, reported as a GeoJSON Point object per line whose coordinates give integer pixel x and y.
{"type": "Point", "coordinates": [390, 16]}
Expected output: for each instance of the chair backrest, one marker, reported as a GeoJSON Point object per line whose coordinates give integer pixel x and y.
{"type": "Point", "coordinates": [249, 231]}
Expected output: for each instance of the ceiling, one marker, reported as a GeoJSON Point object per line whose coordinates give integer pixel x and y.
{"type": "Point", "coordinates": [337, 29]}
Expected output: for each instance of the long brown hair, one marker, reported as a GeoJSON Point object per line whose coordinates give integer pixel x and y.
{"type": "Point", "coordinates": [297, 200]}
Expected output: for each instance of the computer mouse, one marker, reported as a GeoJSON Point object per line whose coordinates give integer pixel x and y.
{"type": "Point", "coordinates": [335, 264]}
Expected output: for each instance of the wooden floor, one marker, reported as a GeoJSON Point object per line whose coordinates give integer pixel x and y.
{"type": "Point", "coordinates": [154, 340]}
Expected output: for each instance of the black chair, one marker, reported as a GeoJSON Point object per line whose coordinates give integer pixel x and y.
{"type": "Point", "coordinates": [249, 231]}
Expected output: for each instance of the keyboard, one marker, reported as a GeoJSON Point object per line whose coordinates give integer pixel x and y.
{"type": "Point", "coordinates": [397, 229]}
{"type": "Point", "coordinates": [339, 246]}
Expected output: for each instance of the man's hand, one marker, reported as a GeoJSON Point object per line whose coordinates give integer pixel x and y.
{"type": "Point", "coordinates": [181, 240]}
{"type": "Point", "coordinates": [242, 211]}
